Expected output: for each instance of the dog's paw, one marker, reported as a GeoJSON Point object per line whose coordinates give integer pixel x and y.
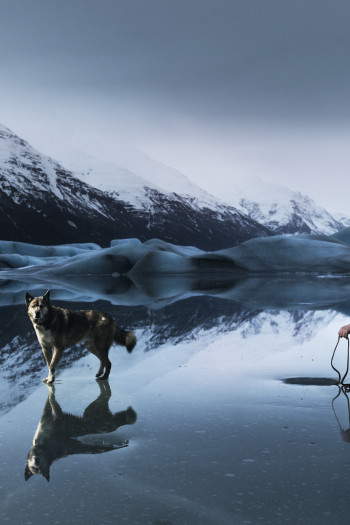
{"type": "Point", "coordinates": [48, 380]}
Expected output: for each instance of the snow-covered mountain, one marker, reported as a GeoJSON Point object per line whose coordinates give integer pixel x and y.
{"type": "Point", "coordinates": [87, 200]}
{"type": "Point", "coordinates": [280, 209]}
{"type": "Point", "coordinates": [134, 173]}
{"type": "Point", "coordinates": [43, 202]}
{"type": "Point", "coordinates": [343, 219]}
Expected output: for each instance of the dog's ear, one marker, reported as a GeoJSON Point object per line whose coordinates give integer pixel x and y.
{"type": "Point", "coordinates": [45, 472]}
{"type": "Point", "coordinates": [27, 473]}
{"type": "Point", "coordinates": [46, 296]}
{"type": "Point", "coordinates": [29, 298]}
{"type": "Point", "coordinates": [47, 476]}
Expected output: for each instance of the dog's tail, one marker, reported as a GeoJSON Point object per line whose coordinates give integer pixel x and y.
{"type": "Point", "coordinates": [124, 338]}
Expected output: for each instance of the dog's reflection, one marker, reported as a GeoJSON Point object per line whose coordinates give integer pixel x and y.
{"type": "Point", "coordinates": [56, 432]}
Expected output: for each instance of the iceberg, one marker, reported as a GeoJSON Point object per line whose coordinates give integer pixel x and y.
{"type": "Point", "coordinates": [19, 254]}
{"type": "Point", "coordinates": [35, 250]}
{"type": "Point", "coordinates": [131, 257]}
{"type": "Point", "coordinates": [291, 254]}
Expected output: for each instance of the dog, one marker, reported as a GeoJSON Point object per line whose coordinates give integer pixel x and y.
{"type": "Point", "coordinates": [57, 432]}
{"type": "Point", "coordinates": [59, 328]}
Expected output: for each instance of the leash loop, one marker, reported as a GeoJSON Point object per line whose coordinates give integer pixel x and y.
{"type": "Point", "coordinates": [335, 369]}
{"type": "Point", "coordinates": [340, 379]}
{"type": "Point", "coordinates": [347, 366]}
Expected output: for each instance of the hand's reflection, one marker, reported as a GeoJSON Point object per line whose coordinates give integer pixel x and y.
{"type": "Point", "coordinates": [54, 437]}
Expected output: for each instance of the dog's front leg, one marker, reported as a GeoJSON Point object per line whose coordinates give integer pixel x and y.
{"type": "Point", "coordinates": [47, 351]}
{"type": "Point", "coordinates": [57, 354]}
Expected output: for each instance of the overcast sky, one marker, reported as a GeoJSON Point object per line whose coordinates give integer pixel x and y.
{"type": "Point", "coordinates": [215, 88]}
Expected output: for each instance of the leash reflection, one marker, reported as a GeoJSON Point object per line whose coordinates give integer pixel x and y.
{"type": "Point", "coordinates": [57, 431]}
{"type": "Point", "coordinates": [341, 410]}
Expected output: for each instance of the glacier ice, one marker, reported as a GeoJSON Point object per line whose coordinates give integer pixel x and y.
{"type": "Point", "coordinates": [263, 255]}
{"type": "Point", "coordinates": [35, 250]}
{"type": "Point", "coordinates": [291, 254]}
{"type": "Point", "coordinates": [19, 254]}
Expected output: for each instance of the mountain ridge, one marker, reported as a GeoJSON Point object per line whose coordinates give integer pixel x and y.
{"type": "Point", "coordinates": [276, 207]}
{"type": "Point", "coordinates": [44, 202]}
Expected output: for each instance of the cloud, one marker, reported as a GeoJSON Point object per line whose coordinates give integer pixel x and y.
{"type": "Point", "coordinates": [224, 59]}
{"type": "Point", "coordinates": [210, 87]}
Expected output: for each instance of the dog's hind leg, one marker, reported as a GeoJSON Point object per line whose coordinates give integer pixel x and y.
{"type": "Point", "coordinates": [104, 347]}
{"type": "Point", "coordinates": [100, 370]}
{"type": "Point", "coordinates": [99, 344]}
{"type": "Point", "coordinates": [106, 365]}
{"type": "Point", "coordinates": [92, 347]}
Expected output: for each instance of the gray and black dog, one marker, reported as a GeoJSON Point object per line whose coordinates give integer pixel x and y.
{"type": "Point", "coordinates": [59, 328]}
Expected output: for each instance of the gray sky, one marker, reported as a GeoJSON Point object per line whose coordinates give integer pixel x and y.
{"type": "Point", "coordinates": [214, 88]}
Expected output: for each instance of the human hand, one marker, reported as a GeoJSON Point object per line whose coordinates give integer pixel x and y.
{"type": "Point", "coordinates": [344, 331]}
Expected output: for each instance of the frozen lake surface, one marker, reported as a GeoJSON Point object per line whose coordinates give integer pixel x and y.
{"type": "Point", "coordinates": [223, 414]}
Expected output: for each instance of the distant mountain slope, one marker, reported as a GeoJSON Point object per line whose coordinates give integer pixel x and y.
{"type": "Point", "coordinates": [42, 202]}
{"type": "Point", "coordinates": [133, 173]}
{"type": "Point", "coordinates": [278, 208]}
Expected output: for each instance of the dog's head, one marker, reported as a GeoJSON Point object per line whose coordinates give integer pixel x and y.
{"type": "Point", "coordinates": [38, 307]}
{"type": "Point", "coordinates": [38, 463]}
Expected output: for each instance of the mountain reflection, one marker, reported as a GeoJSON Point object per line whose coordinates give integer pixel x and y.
{"type": "Point", "coordinates": [22, 363]}
{"type": "Point", "coordinates": [55, 436]}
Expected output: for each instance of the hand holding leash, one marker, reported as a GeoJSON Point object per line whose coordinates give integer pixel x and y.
{"type": "Point", "coordinates": [343, 332]}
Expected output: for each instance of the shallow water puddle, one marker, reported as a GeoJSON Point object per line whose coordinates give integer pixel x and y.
{"type": "Point", "coordinates": [221, 415]}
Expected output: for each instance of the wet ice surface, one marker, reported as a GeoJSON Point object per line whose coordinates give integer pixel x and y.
{"type": "Point", "coordinates": [220, 436]}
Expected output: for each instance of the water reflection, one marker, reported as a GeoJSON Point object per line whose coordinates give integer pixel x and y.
{"type": "Point", "coordinates": [341, 409]}
{"type": "Point", "coordinates": [340, 402]}
{"type": "Point", "coordinates": [294, 291]}
{"type": "Point", "coordinates": [22, 363]}
{"type": "Point", "coordinates": [278, 457]}
{"type": "Point", "coordinates": [55, 437]}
